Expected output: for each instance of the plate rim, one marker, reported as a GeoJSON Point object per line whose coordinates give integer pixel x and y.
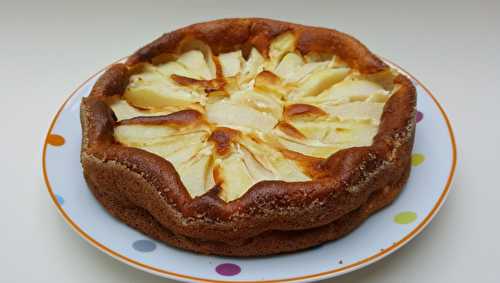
{"type": "Point", "coordinates": [309, 277]}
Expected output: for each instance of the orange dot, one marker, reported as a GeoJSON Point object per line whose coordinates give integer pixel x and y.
{"type": "Point", "coordinates": [55, 140]}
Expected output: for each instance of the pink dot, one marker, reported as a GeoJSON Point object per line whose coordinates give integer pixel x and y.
{"type": "Point", "coordinates": [228, 269]}
{"type": "Point", "coordinates": [420, 116]}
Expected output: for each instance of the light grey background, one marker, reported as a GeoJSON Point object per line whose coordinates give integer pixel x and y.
{"type": "Point", "coordinates": [48, 48]}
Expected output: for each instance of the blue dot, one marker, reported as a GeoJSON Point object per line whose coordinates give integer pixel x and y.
{"type": "Point", "coordinates": [144, 246]}
{"type": "Point", "coordinates": [60, 199]}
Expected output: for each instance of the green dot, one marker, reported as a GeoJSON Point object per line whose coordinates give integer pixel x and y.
{"type": "Point", "coordinates": [405, 217]}
{"type": "Point", "coordinates": [417, 159]}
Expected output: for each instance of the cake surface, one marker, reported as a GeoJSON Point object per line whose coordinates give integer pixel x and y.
{"type": "Point", "coordinates": [248, 137]}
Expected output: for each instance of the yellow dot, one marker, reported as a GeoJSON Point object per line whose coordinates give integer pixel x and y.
{"type": "Point", "coordinates": [55, 140]}
{"type": "Point", "coordinates": [405, 217]}
{"type": "Point", "coordinates": [417, 159]}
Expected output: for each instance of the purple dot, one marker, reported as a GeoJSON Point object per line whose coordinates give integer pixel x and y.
{"type": "Point", "coordinates": [420, 116]}
{"type": "Point", "coordinates": [228, 269]}
{"type": "Point", "coordinates": [144, 246]}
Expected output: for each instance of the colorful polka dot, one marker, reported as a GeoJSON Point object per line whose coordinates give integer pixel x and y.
{"type": "Point", "coordinates": [420, 116]}
{"type": "Point", "coordinates": [228, 269]}
{"type": "Point", "coordinates": [55, 140]}
{"type": "Point", "coordinates": [144, 246]}
{"type": "Point", "coordinates": [405, 217]}
{"type": "Point", "coordinates": [60, 199]}
{"type": "Point", "coordinates": [417, 159]}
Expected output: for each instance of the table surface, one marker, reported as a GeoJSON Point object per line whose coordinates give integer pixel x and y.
{"type": "Point", "coordinates": [48, 48]}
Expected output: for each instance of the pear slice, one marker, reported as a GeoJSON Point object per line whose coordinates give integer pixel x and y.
{"type": "Point", "coordinates": [318, 82]}
{"type": "Point", "coordinates": [261, 152]}
{"type": "Point", "coordinates": [256, 169]}
{"type": "Point", "coordinates": [139, 135]}
{"type": "Point", "coordinates": [236, 179]}
{"type": "Point", "coordinates": [267, 82]}
{"type": "Point", "coordinates": [262, 102]}
{"type": "Point", "coordinates": [194, 172]}
{"type": "Point", "coordinates": [231, 63]}
{"type": "Point", "coordinates": [310, 147]}
{"type": "Point", "coordinates": [289, 171]}
{"type": "Point", "coordinates": [143, 135]}
{"type": "Point", "coordinates": [303, 112]}
{"type": "Point", "coordinates": [379, 97]}
{"type": "Point", "coordinates": [351, 90]}
{"type": "Point", "coordinates": [225, 113]}
{"type": "Point", "coordinates": [194, 61]}
{"type": "Point", "coordinates": [191, 44]}
{"type": "Point", "coordinates": [296, 76]}
{"type": "Point", "coordinates": [123, 110]}
{"type": "Point", "coordinates": [160, 95]}
{"type": "Point", "coordinates": [313, 130]}
{"type": "Point", "coordinates": [148, 75]}
{"type": "Point", "coordinates": [231, 85]}
{"type": "Point", "coordinates": [281, 45]}
{"type": "Point", "coordinates": [179, 156]}
{"type": "Point", "coordinates": [251, 67]}
{"type": "Point", "coordinates": [352, 134]}
{"type": "Point", "coordinates": [290, 63]}
{"type": "Point", "coordinates": [341, 134]}
{"type": "Point", "coordinates": [357, 110]}
{"type": "Point", "coordinates": [175, 68]}
{"type": "Point", "coordinates": [274, 161]}
{"type": "Point", "coordinates": [150, 89]}
{"type": "Point", "coordinates": [322, 151]}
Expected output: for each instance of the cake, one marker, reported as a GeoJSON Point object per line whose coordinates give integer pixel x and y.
{"type": "Point", "coordinates": [248, 137]}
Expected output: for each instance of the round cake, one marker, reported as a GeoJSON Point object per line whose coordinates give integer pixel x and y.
{"type": "Point", "coordinates": [248, 137]}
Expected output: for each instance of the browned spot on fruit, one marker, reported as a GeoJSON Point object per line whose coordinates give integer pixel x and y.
{"type": "Point", "coordinates": [208, 85]}
{"type": "Point", "coordinates": [268, 76]}
{"type": "Point", "coordinates": [310, 165]}
{"type": "Point", "coordinates": [222, 138]}
{"type": "Point", "coordinates": [179, 118]}
{"type": "Point", "coordinates": [219, 75]}
{"type": "Point", "coordinates": [267, 81]}
{"type": "Point", "coordinates": [231, 84]}
{"type": "Point", "coordinates": [213, 97]}
{"type": "Point", "coordinates": [294, 110]}
{"type": "Point", "coordinates": [196, 107]}
{"type": "Point", "coordinates": [218, 179]}
{"type": "Point", "coordinates": [290, 130]}
{"type": "Point", "coordinates": [55, 140]}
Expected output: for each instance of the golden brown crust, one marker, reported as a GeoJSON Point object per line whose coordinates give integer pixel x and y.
{"type": "Point", "coordinates": [140, 183]}
{"type": "Point", "coordinates": [271, 242]}
{"type": "Point", "coordinates": [114, 81]}
{"type": "Point", "coordinates": [232, 34]}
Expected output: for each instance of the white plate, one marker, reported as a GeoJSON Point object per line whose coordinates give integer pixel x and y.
{"type": "Point", "coordinates": [434, 160]}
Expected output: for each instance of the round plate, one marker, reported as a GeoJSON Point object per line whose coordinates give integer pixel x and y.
{"type": "Point", "coordinates": [433, 163]}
